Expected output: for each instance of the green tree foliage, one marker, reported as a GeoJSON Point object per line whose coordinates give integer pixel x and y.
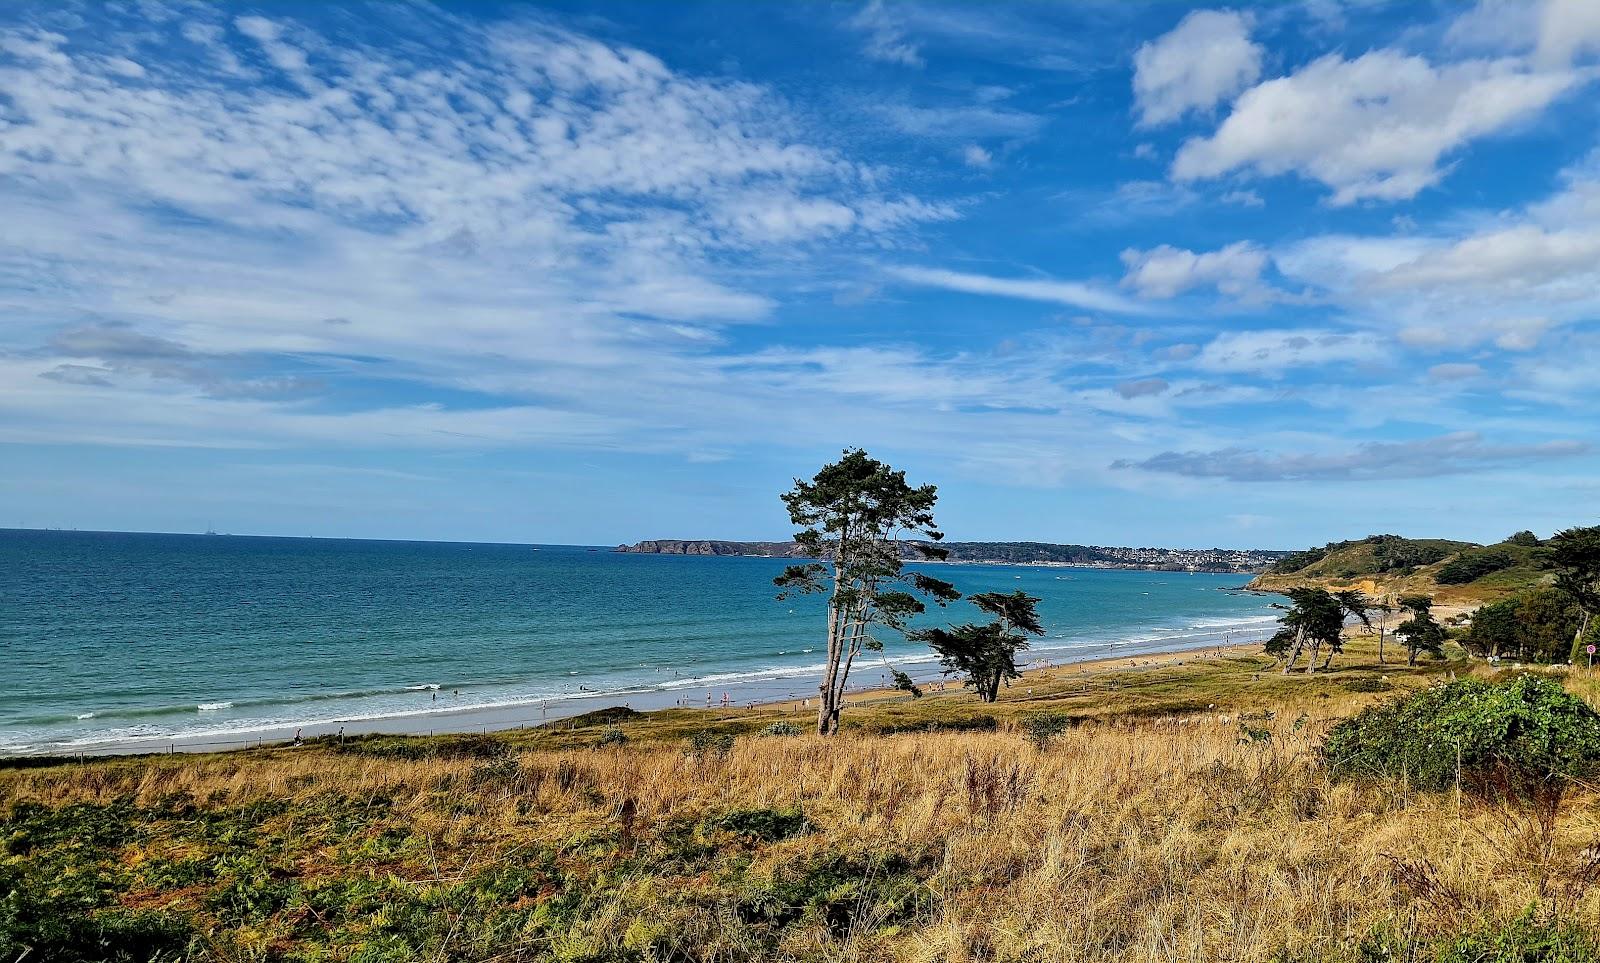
{"type": "Point", "coordinates": [1519, 734]}
{"type": "Point", "coordinates": [1524, 538]}
{"type": "Point", "coordinates": [1575, 556]}
{"type": "Point", "coordinates": [1470, 566]}
{"type": "Point", "coordinates": [1421, 632]}
{"type": "Point", "coordinates": [985, 656]}
{"type": "Point", "coordinates": [854, 516]}
{"type": "Point", "coordinates": [1534, 626]}
{"type": "Point", "coordinates": [1300, 560]}
{"type": "Point", "coordinates": [1315, 618]}
{"type": "Point", "coordinates": [1353, 604]}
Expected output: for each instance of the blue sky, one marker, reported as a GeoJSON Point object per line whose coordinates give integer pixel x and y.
{"type": "Point", "coordinates": [1105, 272]}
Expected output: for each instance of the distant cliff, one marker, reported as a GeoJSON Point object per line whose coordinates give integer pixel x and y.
{"type": "Point", "coordinates": [675, 546]}
{"type": "Point", "coordinates": [1242, 561]}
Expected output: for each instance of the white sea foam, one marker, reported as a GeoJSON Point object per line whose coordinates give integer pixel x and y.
{"type": "Point", "coordinates": [213, 706]}
{"type": "Point", "coordinates": [423, 687]}
{"type": "Point", "coordinates": [86, 715]}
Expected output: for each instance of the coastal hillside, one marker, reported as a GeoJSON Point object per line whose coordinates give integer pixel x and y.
{"type": "Point", "coordinates": [1008, 553]}
{"type": "Point", "coordinates": [1452, 572]}
{"type": "Point", "coordinates": [1176, 811]}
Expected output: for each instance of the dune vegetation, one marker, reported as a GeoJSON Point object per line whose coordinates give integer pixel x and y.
{"type": "Point", "coordinates": [1174, 811]}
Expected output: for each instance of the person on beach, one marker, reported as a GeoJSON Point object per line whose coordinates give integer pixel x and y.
{"type": "Point", "coordinates": [297, 737]}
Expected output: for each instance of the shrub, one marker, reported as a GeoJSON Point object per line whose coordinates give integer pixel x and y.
{"type": "Point", "coordinates": [1534, 626]}
{"type": "Point", "coordinates": [781, 729]}
{"type": "Point", "coordinates": [1514, 735]}
{"type": "Point", "coordinates": [1043, 728]}
{"type": "Point", "coordinates": [612, 736]}
{"type": "Point", "coordinates": [977, 723]}
{"type": "Point", "coordinates": [1471, 566]}
{"type": "Point", "coordinates": [844, 894]}
{"type": "Point", "coordinates": [1367, 683]}
{"type": "Point", "coordinates": [1523, 940]}
{"type": "Point", "coordinates": [707, 742]}
{"type": "Point", "coordinates": [1298, 561]}
{"type": "Point", "coordinates": [764, 825]}
{"type": "Point", "coordinates": [425, 747]}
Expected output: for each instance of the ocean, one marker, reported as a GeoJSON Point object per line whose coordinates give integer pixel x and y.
{"type": "Point", "coordinates": [111, 639]}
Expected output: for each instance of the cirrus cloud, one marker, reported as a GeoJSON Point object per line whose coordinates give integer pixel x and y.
{"type": "Point", "coordinates": [1374, 461]}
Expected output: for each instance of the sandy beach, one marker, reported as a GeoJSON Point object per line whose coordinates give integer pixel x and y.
{"type": "Point", "coordinates": [773, 696]}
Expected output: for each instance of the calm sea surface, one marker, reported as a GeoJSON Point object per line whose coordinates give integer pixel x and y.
{"type": "Point", "coordinates": [127, 636]}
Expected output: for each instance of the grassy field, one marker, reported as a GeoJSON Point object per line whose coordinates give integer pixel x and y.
{"type": "Point", "coordinates": [1179, 814]}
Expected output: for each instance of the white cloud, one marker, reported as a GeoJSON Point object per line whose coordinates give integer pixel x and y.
{"type": "Point", "coordinates": [974, 156]}
{"type": "Point", "coordinates": [886, 38]}
{"type": "Point", "coordinates": [1142, 387]}
{"type": "Point", "coordinates": [1378, 126]}
{"type": "Point", "coordinates": [514, 211]}
{"type": "Point", "coordinates": [1567, 28]}
{"type": "Point", "coordinates": [1166, 271]}
{"type": "Point", "coordinates": [1505, 278]}
{"type": "Point", "coordinates": [1455, 371]}
{"type": "Point", "coordinates": [1374, 461]}
{"type": "Point", "coordinates": [1523, 256]}
{"type": "Point", "coordinates": [1071, 293]}
{"type": "Point", "coordinates": [1201, 63]}
{"type": "Point", "coordinates": [1554, 32]}
{"type": "Point", "coordinates": [1271, 353]}
{"type": "Point", "coordinates": [958, 121]}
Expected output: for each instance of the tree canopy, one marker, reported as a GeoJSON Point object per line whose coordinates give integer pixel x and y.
{"type": "Point", "coordinates": [986, 655]}
{"type": "Point", "coordinates": [854, 515]}
{"type": "Point", "coordinates": [1315, 618]}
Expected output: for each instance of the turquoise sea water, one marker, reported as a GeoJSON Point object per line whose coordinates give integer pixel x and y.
{"type": "Point", "coordinates": [108, 636]}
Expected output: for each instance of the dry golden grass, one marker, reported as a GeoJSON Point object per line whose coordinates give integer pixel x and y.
{"type": "Point", "coordinates": [1148, 839]}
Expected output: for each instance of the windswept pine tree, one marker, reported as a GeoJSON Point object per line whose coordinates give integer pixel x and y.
{"type": "Point", "coordinates": [1315, 618]}
{"type": "Point", "coordinates": [986, 655]}
{"type": "Point", "coordinates": [854, 515]}
{"type": "Point", "coordinates": [1355, 604]}
{"type": "Point", "coordinates": [1422, 632]}
{"type": "Point", "coordinates": [1575, 556]}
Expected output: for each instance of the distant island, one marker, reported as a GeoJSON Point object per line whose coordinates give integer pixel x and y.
{"type": "Point", "coordinates": [1222, 560]}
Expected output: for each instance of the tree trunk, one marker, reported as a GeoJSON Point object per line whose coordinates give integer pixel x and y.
{"type": "Point", "coordinates": [1411, 656]}
{"type": "Point", "coordinates": [1380, 642]}
{"type": "Point", "coordinates": [1294, 653]}
{"type": "Point", "coordinates": [827, 710]}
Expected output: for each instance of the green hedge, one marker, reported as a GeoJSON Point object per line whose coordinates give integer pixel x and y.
{"type": "Point", "coordinates": [1517, 734]}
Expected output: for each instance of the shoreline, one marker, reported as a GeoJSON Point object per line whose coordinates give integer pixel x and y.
{"type": "Point", "coordinates": [780, 694]}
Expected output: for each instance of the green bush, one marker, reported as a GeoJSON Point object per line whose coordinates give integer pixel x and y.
{"type": "Point", "coordinates": [1471, 566]}
{"type": "Point", "coordinates": [781, 729]}
{"type": "Point", "coordinates": [1367, 683]}
{"type": "Point", "coordinates": [612, 736]}
{"type": "Point", "coordinates": [707, 742]}
{"type": "Point", "coordinates": [424, 747]}
{"type": "Point", "coordinates": [844, 894]}
{"type": "Point", "coordinates": [1042, 729]}
{"type": "Point", "coordinates": [1533, 626]}
{"type": "Point", "coordinates": [1523, 940]}
{"type": "Point", "coordinates": [1510, 735]}
{"type": "Point", "coordinates": [762, 825]}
